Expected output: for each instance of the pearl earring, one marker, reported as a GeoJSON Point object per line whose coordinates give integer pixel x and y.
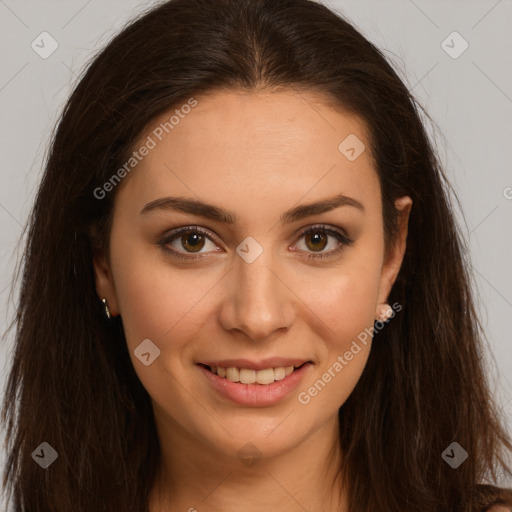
{"type": "Point", "coordinates": [384, 312]}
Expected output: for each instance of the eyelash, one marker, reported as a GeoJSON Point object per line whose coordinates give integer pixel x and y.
{"type": "Point", "coordinates": [342, 238]}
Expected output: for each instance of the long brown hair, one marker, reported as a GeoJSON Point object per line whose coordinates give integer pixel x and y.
{"type": "Point", "coordinates": [72, 383]}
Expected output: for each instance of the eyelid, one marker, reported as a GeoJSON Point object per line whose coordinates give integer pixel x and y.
{"type": "Point", "coordinates": [324, 227]}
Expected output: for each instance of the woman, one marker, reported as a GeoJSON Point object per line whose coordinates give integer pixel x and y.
{"type": "Point", "coordinates": [244, 286]}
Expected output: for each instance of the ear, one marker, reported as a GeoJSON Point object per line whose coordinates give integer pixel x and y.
{"type": "Point", "coordinates": [104, 280]}
{"type": "Point", "coordinates": [394, 257]}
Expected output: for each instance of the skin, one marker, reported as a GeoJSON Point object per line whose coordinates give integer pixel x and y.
{"type": "Point", "coordinates": [257, 155]}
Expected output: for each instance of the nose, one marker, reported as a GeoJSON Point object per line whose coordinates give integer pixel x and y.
{"type": "Point", "coordinates": [260, 301]}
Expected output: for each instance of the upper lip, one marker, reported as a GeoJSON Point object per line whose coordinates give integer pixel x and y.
{"type": "Point", "coordinates": [272, 362]}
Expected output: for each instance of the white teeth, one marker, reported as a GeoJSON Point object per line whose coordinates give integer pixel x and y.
{"type": "Point", "coordinates": [279, 373]}
{"type": "Point", "coordinates": [265, 376]}
{"type": "Point", "coordinates": [248, 376]}
{"type": "Point", "coordinates": [233, 374]}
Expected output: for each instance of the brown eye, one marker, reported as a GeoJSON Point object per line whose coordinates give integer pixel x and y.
{"type": "Point", "coordinates": [316, 240]}
{"type": "Point", "coordinates": [188, 242]}
{"type": "Point", "coordinates": [192, 241]}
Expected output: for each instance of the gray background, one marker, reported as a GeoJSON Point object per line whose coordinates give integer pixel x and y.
{"type": "Point", "coordinates": [469, 98]}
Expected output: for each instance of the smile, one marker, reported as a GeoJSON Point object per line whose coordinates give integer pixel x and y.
{"type": "Point", "coordinates": [248, 376]}
{"type": "Point", "coordinates": [254, 387]}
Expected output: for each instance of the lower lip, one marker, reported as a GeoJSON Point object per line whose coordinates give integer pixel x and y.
{"type": "Point", "coordinates": [256, 395]}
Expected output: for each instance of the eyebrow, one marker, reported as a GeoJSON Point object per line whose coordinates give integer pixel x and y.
{"type": "Point", "coordinates": [212, 212]}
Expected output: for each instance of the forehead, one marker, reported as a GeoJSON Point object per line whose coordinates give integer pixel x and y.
{"type": "Point", "coordinates": [279, 146]}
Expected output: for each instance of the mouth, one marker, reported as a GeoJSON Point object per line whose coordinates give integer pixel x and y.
{"type": "Point", "coordinates": [264, 376]}
{"type": "Point", "coordinates": [250, 384]}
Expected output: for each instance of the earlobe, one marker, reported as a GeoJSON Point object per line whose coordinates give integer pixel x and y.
{"type": "Point", "coordinates": [104, 281]}
{"type": "Point", "coordinates": [394, 257]}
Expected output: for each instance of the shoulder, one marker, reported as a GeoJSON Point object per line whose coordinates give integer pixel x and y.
{"type": "Point", "coordinates": [499, 508]}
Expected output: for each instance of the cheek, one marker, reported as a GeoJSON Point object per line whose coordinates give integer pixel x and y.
{"type": "Point", "coordinates": [347, 310]}
{"type": "Point", "coordinates": [153, 298]}
{"type": "Point", "coordinates": [346, 297]}
{"type": "Point", "coordinates": [347, 318]}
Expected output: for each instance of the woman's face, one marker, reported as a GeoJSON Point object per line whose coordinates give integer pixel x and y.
{"type": "Point", "coordinates": [249, 291]}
